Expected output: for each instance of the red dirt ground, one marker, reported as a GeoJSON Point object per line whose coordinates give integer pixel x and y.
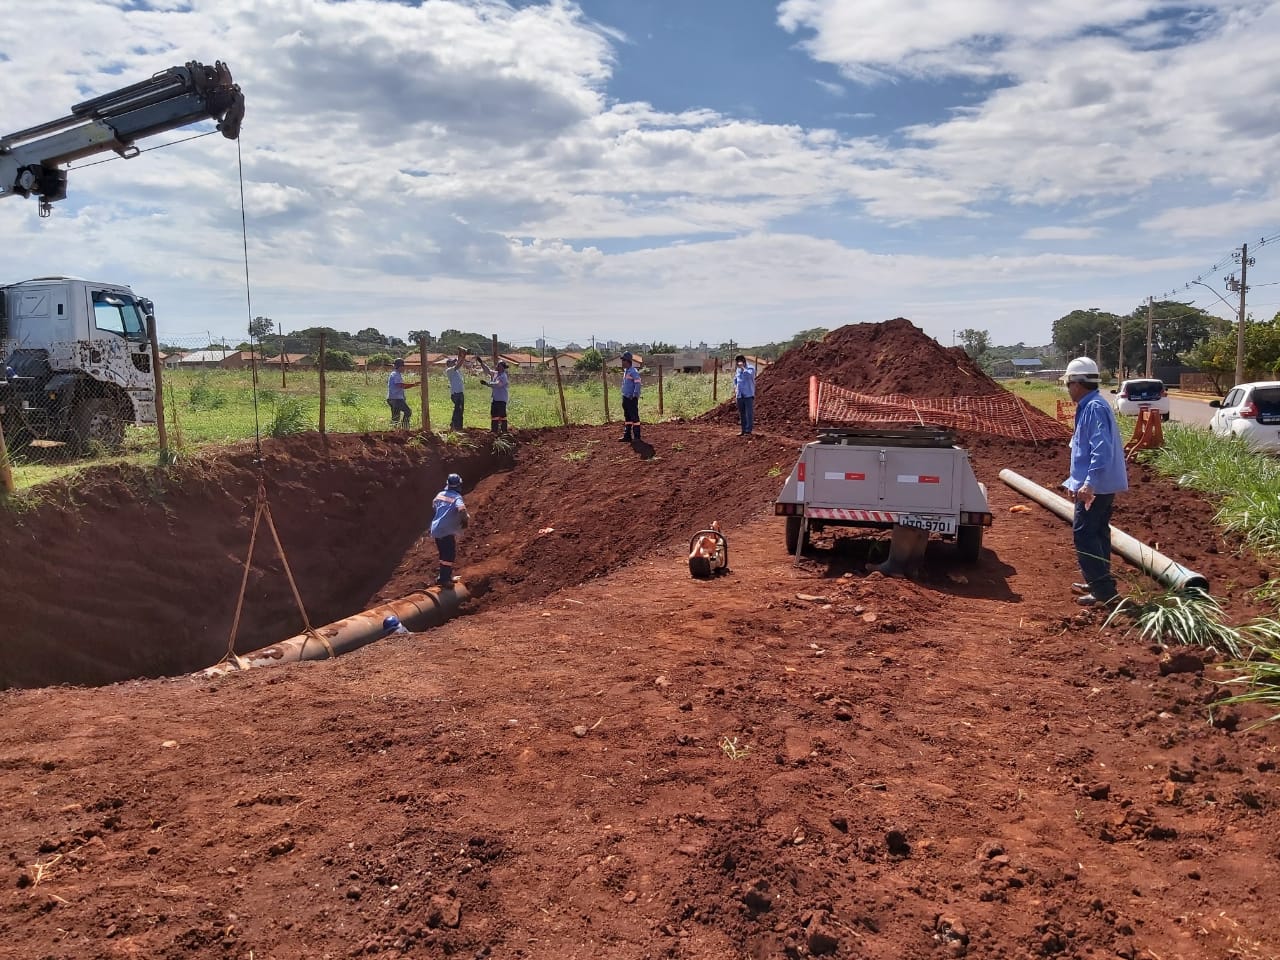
{"type": "Point", "coordinates": [608, 758]}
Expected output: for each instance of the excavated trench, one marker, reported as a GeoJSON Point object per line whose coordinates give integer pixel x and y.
{"type": "Point", "coordinates": [122, 573]}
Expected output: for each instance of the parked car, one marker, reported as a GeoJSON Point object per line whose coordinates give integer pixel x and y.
{"type": "Point", "coordinates": [1136, 395]}
{"type": "Point", "coordinates": [1251, 411]}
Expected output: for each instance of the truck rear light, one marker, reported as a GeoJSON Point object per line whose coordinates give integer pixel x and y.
{"type": "Point", "coordinates": [968, 519]}
{"type": "Point", "coordinates": [787, 509]}
{"type": "Point", "coordinates": [1248, 411]}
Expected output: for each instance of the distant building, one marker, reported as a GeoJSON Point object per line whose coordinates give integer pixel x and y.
{"type": "Point", "coordinates": [1017, 368]}
{"type": "Point", "coordinates": [204, 359]}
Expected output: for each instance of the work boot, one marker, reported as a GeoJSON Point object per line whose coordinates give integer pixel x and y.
{"type": "Point", "coordinates": [445, 580]}
{"type": "Point", "coordinates": [624, 439]}
{"type": "Point", "coordinates": [1089, 600]}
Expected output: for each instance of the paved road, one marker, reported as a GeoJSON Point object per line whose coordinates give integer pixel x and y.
{"type": "Point", "coordinates": [1185, 410]}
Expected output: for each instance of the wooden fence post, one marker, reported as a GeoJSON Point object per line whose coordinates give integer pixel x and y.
{"type": "Point", "coordinates": [426, 396]}
{"type": "Point", "coordinates": [564, 412]}
{"type": "Point", "coordinates": [715, 380]}
{"type": "Point", "coordinates": [322, 383]}
{"type": "Point", "coordinates": [6, 474]}
{"type": "Point", "coordinates": [158, 375]}
{"type": "Point", "coordinates": [659, 389]}
{"type": "Point", "coordinates": [283, 385]}
{"type": "Point", "coordinates": [604, 382]}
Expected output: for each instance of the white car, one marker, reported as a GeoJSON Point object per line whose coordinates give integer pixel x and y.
{"type": "Point", "coordinates": [1251, 411]}
{"type": "Point", "coordinates": [1136, 395]}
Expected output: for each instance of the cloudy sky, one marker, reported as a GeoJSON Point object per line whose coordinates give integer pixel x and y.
{"type": "Point", "coordinates": [676, 169]}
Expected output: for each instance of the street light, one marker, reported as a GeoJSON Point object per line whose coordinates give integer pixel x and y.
{"type": "Point", "coordinates": [1239, 318]}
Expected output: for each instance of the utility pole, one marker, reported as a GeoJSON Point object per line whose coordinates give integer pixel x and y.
{"type": "Point", "coordinates": [1151, 323]}
{"type": "Point", "coordinates": [1245, 264]}
{"type": "Point", "coordinates": [1098, 358]}
{"type": "Point", "coordinates": [1120, 361]}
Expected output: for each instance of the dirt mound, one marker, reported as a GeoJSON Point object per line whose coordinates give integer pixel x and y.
{"type": "Point", "coordinates": [895, 357]}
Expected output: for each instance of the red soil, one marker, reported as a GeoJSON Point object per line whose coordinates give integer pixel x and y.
{"type": "Point", "coordinates": [871, 358]}
{"type": "Point", "coordinates": [609, 758]}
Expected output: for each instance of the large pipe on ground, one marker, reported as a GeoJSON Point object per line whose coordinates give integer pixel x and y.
{"type": "Point", "coordinates": [1166, 571]}
{"type": "Point", "coordinates": [418, 611]}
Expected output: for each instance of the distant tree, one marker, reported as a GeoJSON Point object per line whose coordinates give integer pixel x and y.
{"type": "Point", "coordinates": [338, 360]}
{"type": "Point", "coordinates": [1215, 357]}
{"type": "Point", "coordinates": [591, 361]}
{"type": "Point", "coordinates": [261, 327]}
{"type": "Point", "coordinates": [381, 360]}
{"type": "Point", "coordinates": [417, 336]}
{"type": "Point", "coordinates": [661, 346]}
{"type": "Point", "coordinates": [805, 336]}
{"type": "Point", "coordinates": [370, 335]}
{"type": "Point", "coordinates": [975, 342]}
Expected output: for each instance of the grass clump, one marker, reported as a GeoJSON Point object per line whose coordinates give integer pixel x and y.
{"type": "Point", "coordinates": [1188, 618]}
{"type": "Point", "coordinates": [288, 417]}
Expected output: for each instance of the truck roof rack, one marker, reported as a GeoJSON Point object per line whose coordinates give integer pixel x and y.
{"type": "Point", "coordinates": [904, 435]}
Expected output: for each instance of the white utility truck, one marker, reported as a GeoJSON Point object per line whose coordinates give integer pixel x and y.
{"type": "Point", "coordinates": [77, 362]}
{"type": "Point", "coordinates": [76, 358]}
{"type": "Point", "coordinates": [881, 478]}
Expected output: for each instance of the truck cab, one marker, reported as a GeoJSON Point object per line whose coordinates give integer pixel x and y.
{"type": "Point", "coordinates": [77, 362]}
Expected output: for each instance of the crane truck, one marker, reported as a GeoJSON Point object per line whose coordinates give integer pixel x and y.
{"type": "Point", "coordinates": [77, 363]}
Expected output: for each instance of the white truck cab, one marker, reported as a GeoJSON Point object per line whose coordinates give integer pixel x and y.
{"type": "Point", "coordinates": [77, 361]}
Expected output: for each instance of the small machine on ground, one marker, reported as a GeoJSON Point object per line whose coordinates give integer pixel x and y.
{"type": "Point", "coordinates": [910, 479]}
{"type": "Point", "coordinates": [708, 553]}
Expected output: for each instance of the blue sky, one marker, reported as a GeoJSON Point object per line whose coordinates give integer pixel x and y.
{"type": "Point", "coordinates": [686, 171]}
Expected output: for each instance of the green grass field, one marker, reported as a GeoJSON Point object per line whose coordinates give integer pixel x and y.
{"type": "Point", "coordinates": [214, 407]}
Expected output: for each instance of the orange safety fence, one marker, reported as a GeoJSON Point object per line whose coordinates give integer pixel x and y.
{"type": "Point", "coordinates": [1002, 414]}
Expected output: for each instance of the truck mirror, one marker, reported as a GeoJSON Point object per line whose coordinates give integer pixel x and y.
{"type": "Point", "coordinates": [148, 307]}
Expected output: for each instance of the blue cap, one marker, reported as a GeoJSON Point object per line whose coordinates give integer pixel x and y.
{"type": "Point", "coordinates": [454, 482]}
{"type": "Point", "coordinates": [391, 623]}
{"type": "Point", "coordinates": [626, 356]}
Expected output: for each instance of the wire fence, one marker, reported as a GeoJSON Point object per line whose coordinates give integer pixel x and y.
{"type": "Point", "coordinates": [85, 400]}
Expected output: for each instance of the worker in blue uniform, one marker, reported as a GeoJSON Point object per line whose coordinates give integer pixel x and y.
{"type": "Point", "coordinates": [448, 520]}
{"type": "Point", "coordinates": [630, 400]}
{"type": "Point", "coordinates": [744, 392]}
{"type": "Point", "coordinates": [500, 384]}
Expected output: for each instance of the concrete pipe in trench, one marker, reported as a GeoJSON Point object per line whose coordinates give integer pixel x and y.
{"type": "Point", "coordinates": [418, 611]}
{"type": "Point", "coordinates": [1169, 573]}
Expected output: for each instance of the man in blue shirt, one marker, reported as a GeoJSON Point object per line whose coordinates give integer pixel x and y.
{"type": "Point", "coordinates": [744, 391]}
{"type": "Point", "coordinates": [449, 518]}
{"type": "Point", "coordinates": [499, 383]}
{"type": "Point", "coordinates": [453, 370]}
{"type": "Point", "coordinates": [1098, 473]}
{"type": "Point", "coordinates": [395, 396]}
{"type": "Point", "coordinates": [630, 400]}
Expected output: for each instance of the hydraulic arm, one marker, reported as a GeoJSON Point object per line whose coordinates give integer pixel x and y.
{"type": "Point", "coordinates": [30, 159]}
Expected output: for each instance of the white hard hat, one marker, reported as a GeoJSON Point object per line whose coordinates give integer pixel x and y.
{"type": "Point", "coordinates": [1082, 370]}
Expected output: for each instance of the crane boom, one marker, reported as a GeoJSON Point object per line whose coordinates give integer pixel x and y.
{"type": "Point", "coordinates": [177, 97]}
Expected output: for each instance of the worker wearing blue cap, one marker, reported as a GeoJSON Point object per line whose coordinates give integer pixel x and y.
{"type": "Point", "coordinates": [630, 400]}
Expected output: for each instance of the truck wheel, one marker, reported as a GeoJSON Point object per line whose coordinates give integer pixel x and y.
{"type": "Point", "coordinates": [793, 536]}
{"type": "Point", "coordinates": [97, 423]}
{"type": "Point", "coordinates": [969, 543]}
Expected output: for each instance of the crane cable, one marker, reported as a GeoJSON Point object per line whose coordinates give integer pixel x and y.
{"type": "Point", "coordinates": [262, 504]}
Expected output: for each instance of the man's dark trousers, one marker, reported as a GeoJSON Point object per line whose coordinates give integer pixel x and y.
{"type": "Point", "coordinates": [457, 398]}
{"type": "Point", "coordinates": [1091, 531]}
{"type": "Point", "coordinates": [631, 416]}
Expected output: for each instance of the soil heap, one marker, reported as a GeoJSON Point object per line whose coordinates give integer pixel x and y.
{"type": "Point", "coordinates": [872, 358]}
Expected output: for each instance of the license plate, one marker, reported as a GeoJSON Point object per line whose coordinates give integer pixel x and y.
{"type": "Point", "coordinates": [933, 524]}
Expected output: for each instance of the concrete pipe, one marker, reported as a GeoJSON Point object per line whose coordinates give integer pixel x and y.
{"type": "Point", "coordinates": [1169, 573]}
{"type": "Point", "coordinates": [418, 611]}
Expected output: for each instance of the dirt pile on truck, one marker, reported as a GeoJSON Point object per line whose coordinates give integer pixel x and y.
{"type": "Point", "coordinates": [894, 357]}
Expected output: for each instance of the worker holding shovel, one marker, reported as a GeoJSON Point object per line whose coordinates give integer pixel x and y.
{"type": "Point", "coordinates": [448, 521]}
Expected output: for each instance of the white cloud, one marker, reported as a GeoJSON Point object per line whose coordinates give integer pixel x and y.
{"type": "Point", "coordinates": [1062, 233]}
{"type": "Point", "coordinates": [466, 159]}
